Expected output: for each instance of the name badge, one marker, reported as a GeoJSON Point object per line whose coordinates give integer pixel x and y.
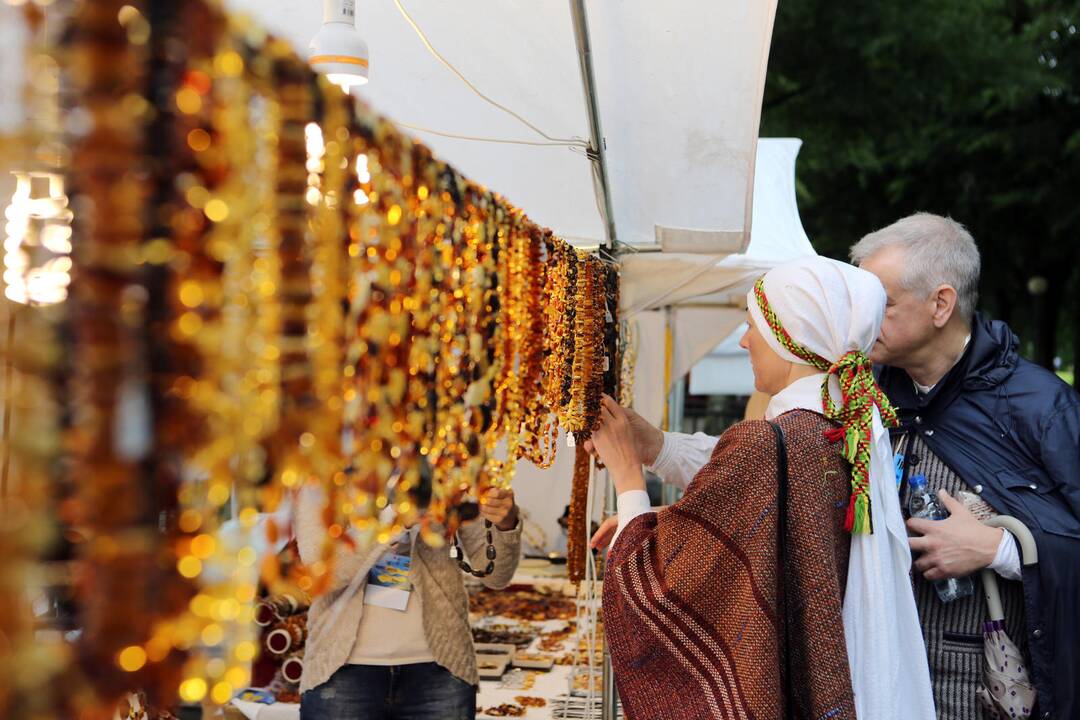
{"type": "Point", "coordinates": [388, 582]}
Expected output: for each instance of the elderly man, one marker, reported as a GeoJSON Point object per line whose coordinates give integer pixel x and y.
{"type": "Point", "coordinates": [976, 418]}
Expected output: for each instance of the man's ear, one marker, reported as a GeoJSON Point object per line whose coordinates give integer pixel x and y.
{"type": "Point", "coordinates": [944, 299]}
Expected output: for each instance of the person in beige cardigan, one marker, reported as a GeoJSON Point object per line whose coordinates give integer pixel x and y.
{"type": "Point", "coordinates": [372, 655]}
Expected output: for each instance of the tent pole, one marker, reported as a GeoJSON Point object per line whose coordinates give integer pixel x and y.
{"type": "Point", "coordinates": [676, 398]}
{"type": "Point", "coordinates": [596, 151]}
{"type": "Point", "coordinates": [597, 155]}
{"type": "Point", "coordinates": [609, 695]}
{"type": "Point", "coordinates": [676, 408]}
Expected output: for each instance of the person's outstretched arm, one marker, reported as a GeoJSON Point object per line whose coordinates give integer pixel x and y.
{"type": "Point", "coordinates": [674, 457]}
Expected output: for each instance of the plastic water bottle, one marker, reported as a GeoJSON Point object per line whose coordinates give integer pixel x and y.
{"type": "Point", "coordinates": [922, 504]}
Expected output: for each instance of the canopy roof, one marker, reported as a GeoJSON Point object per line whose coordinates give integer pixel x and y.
{"type": "Point", "coordinates": [679, 89]}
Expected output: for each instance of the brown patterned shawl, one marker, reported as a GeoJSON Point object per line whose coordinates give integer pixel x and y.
{"type": "Point", "coordinates": [690, 592]}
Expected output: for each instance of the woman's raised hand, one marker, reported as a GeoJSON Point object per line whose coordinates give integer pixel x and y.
{"type": "Point", "coordinates": [614, 442]}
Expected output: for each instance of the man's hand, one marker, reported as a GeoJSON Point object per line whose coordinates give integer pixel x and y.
{"type": "Point", "coordinates": [649, 440]}
{"type": "Point", "coordinates": [954, 547]}
{"type": "Point", "coordinates": [498, 506]}
{"type": "Point", "coordinates": [602, 537]}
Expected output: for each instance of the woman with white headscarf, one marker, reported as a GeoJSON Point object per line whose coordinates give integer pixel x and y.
{"type": "Point", "coordinates": [778, 586]}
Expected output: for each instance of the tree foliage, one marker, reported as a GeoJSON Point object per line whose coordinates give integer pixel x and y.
{"type": "Point", "coordinates": [968, 109]}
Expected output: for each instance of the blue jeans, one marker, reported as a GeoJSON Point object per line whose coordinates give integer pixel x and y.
{"type": "Point", "coordinates": [423, 691]}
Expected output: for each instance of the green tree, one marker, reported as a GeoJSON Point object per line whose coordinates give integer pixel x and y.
{"type": "Point", "coordinates": [966, 109]}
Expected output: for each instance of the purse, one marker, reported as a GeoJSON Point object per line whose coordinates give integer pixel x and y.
{"type": "Point", "coordinates": [781, 561]}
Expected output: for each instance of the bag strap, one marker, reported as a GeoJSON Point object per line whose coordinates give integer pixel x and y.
{"type": "Point", "coordinates": [781, 569]}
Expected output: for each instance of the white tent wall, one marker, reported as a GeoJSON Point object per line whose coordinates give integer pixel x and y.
{"type": "Point", "coordinates": [655, 280]}
{"type": "Point", "coordinates": [647, 333]}
{"type": "Point", "coordinates": [694, 333]}
{"type": "Point", "coordinates": [679, 87]}
{"type": "Point", "coordinates": [13, 38]}
{"type": "Point", "coordinates": [708, 294]}
{"type": "Point", "coordinates": [543, 494]}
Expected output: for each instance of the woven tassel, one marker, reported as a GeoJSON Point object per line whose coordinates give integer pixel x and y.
{"type": "Point", "coordinates": [857, 521]}
{"type": "Point", "coordinates": [835, 434]}
{"type": "Point", "coordinates": [851, 443]}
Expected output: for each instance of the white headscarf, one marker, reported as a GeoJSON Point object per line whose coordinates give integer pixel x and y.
{"type": "Point", "coordinates": [831, 308]}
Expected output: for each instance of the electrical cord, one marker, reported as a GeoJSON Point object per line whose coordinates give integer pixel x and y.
{"type": "Point", "coordinates": [427, 43]}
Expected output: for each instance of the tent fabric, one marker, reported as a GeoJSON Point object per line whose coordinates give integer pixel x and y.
{"type": "Point", "coordinates": [709, 293]}
{"type": "Point", "coordinates": [13, 39]}
{"type": "Point", "coordinates": [679, 87]}
{"type": "Point", "coordinates": [649, 391]}
{"type": "Point", "coordinates": [695, 331]}
{"type": "Point", "coordinates": [652, 280]}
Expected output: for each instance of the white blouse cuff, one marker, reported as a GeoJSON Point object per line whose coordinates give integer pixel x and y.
{"type": "Point", "coordinates": [630, 504]}
{"type": "Point", "coordinates": [668, 452]}
{"type": "Point", "coordinates": [1007, 560]}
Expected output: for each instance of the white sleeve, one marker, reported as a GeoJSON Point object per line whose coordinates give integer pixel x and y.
{"type": "Point", "coordinates": [1007, 560]}
{"type": "Point", "coordinates": [631, 504]}
{"type": "Point", "coordinates": [682, 456]}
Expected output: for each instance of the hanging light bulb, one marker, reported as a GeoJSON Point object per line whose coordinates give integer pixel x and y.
{"type": "Point", "coordinates": [37, 240]}
{"type": "Point", "coordinates": [337, 50]}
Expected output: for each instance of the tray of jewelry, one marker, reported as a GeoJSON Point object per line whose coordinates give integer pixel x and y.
{"type": "Point", "coordinates": [523, 603]}
{"type": "Point", "coordinates": [491, 667]}
{"type": "Point", "coordinates": [495, 649]}
{"type": "Point", "coordinates": [516, 634]}
{"type": "Point", "coordinates": [533, 660]}
{"type": "Point", "coordinates": [585, 682]}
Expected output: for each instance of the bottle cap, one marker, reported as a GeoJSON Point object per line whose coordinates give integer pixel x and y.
{"type": "Point", "coordinates": [917, 481]}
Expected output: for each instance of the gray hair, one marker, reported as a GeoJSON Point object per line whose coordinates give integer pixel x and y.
{"type": "Point", "coordinates": [938, 250]}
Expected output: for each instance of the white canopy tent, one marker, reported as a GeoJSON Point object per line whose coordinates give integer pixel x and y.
{"type": "Point", "coordinates": [702, 299]}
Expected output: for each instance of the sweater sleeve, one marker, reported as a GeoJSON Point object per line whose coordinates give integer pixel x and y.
{"type": "Point", "coordinates": [311, 538]}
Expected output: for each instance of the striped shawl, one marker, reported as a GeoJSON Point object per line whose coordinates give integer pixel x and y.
{"type": "Point", "coordinates": [690, 592]}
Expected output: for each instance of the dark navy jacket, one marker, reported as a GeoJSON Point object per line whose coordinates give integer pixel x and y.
{"type": "Point", "coordinates": [1011, 430]}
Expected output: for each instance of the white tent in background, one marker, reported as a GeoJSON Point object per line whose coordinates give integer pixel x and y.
{"type": "Point", "coordinates": [724, 371]}
{"type": "Point", "coordinates": [703, 298]}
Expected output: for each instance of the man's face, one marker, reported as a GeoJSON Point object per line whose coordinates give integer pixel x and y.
{"type": "Point", "coordinates": [909, 317]}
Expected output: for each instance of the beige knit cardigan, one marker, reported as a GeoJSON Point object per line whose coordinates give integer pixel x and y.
{"type": "Point", "coordinates": [334, 620]}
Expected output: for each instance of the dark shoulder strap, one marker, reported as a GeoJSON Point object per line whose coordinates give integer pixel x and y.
{"type": "Point", "coordinates": [781, 567]}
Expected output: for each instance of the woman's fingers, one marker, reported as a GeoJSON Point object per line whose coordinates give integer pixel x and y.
{"type": "Point", "coordinates": [602, 537]}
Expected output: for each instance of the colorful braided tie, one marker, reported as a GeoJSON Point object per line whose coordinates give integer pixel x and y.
{"type": "Point", "coordinates": [859, 393]}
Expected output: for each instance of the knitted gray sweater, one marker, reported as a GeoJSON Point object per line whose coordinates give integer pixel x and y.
{"type": "Point", "coordinates": [334, 619]}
